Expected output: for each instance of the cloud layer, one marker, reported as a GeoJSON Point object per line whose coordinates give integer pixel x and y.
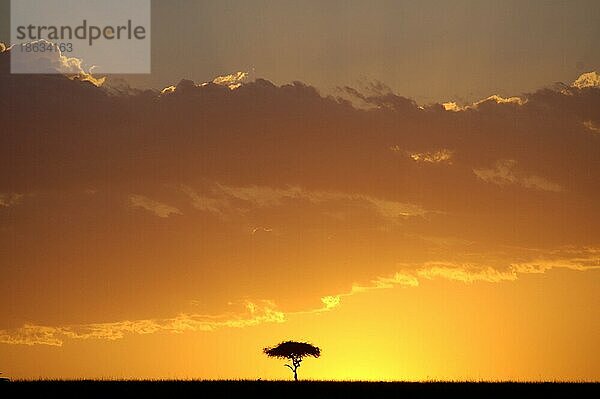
{"type": "Point", "coordinates": [258, 312]}
{"type": "Point", "coordinates": [263, 312]}
{"type": "Point", "coordinates": [233, 189]}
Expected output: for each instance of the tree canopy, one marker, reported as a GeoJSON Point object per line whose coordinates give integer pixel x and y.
{"type": "Point", "coordinates": [293, 351]}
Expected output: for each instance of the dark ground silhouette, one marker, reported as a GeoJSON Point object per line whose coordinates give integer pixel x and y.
{"type": "Point", "coordinates": [292, 389]}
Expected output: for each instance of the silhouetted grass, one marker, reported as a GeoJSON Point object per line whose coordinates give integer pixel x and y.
{"type": "Point", "coordinates": [290, 389]}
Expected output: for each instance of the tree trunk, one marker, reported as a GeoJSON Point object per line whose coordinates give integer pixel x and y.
{"type": "Point", "coordinates": [295, 375]}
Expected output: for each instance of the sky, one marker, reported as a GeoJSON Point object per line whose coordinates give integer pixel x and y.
{"type": "Point", "coordinates": [407, 187]}
{"type": "Point", "coordinates": [431, 51]}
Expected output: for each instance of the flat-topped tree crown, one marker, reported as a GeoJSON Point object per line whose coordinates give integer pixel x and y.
{"type": "Point", "coordinates": [289, 349]}
{"type": "Point", "coordinates": [294, 351]}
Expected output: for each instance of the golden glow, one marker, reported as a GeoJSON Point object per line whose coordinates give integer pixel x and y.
{"type": "Point", "coordinates": [175, 234]}
{"type": "Point", "coordinates": [441, 156]}
{"type": "Point", "coordinates": [443, 329]}
{"type": "Point", "coordinates": [590, 79]}
{"type": "Point", "coordinates": [233, 81]}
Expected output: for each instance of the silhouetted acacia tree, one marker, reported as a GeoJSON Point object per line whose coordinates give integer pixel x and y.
{"type": "Point", "coordinates": [293, 351]}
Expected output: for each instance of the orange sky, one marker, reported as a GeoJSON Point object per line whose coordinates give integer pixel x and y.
{"type": "Point", "coordinates": [174, 234]}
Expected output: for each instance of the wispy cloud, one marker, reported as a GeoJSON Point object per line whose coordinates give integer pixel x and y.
{"type": "Point", "coordinates": [580, 259]}
{"type": "Point", "coordinates": [223, 199]}
{"type": "Point", "coordinates": [406, 279]}
{"type": "Point", "coordinates": [259, 312]}
{"type": "Point", "coordinates": [591, 126]}
{"type": "Point", "coordinates": [30, 334]}
{"type": "Point", "coordinates": [205, 203]}
{"type": "Point", "coordinates": [577, 259]}
{"type": "Point", "coordinates": [10, 199]}
{"type": "Point", "coordinates": [231, 81]}
{"type": "Point", "coordinates": [256, 312]}
{"type": "Point", "coordinates": [262, 229]}
{"type": "Point", "coordinates": [505, 172]}
{"type": "Point", "coordinates": [466, 273]}
{"type": "Point", "coordinates": [331, 301]}
{"type": "Point", "coordinates": [157, 208]}
{"type": "Point", "coordinates": [440, 156]}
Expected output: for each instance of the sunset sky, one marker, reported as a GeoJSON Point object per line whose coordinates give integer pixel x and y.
{"type": "Point", "coordinates": [412, 186]}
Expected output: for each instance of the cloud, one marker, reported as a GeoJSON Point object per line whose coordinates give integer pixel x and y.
{"type": "Point", "coordinates": [589, 79]}
{"type": "Point", "coordinates": [501, 100]}
{"type": "Point", "coordinates": [262, 229]}
{"type": "Point", "coordinates": [579, 259]}
{"type": "Point", "coordinates": [375, 95]}
{"type": "Point", "coordinates": [10, 199]}
{"type": "Point", "coordinates": [331, 301]}
{"type": "Point", "coordinates": [204, 203]}
{"type": "Point", "coordinates": [265, 311]}
{"type": "Point", "coordinates": [256, 313]}
{"type": "Point", "coordinates": [32, 335]}
{"type": "Point", "coordinates": [465, 273]}
{"type": "Point", "coordinates": [405, 279]}
{"type": "Point", "coordinates": [233, 81]}
{"type": "Point", "coordinates": [494, 99]}
{"type": "Point", "coordinates": [262, 196]}
{"type": "Point", "coordinates": [401, 279]}
{"type": "Point", "coordinates": [316, 169]}
{"type": "Point", "coordinates": [224, 199]}
{"type": "Point", "coordinates": [158, 208]}
{"type": "Point", "coordinates": [505, 172]}
{"type": "Point", "coordinates": [168, 90]}
{"type": "Point", "coordinates": [53, 62]}
{"type": "Point", "coordinates": [452, 106]}
{"type": "Point", "coordinates": [440, 156]}
{"type": "Point", "coordinates": [591, 126]}
{"type": "Point", "coordinates": [410, 275]}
